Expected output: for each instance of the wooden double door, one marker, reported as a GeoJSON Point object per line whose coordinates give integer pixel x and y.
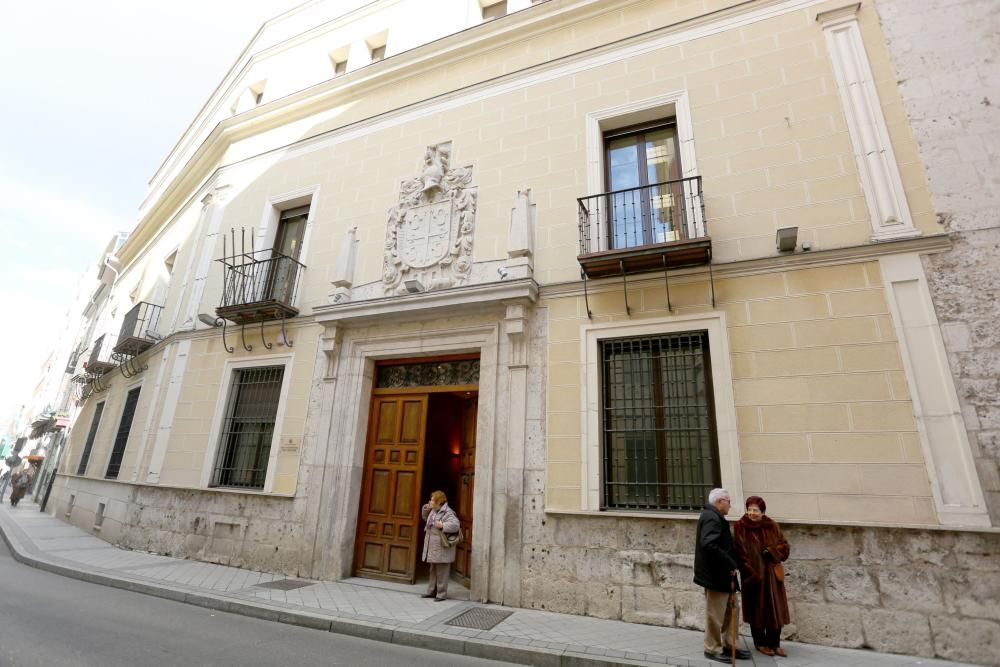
{"type": "Point", "coordinates": [417, 443]}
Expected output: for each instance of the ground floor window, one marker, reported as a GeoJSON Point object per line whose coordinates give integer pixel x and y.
{"type": "Point", "coordinates": [660, 450]}
{"type": "Point", "coordinates": [249, 428]}
{"type": "Point", "coordinates": [91, 436]}
{"type": "Point", "coordinates": [121, 438]}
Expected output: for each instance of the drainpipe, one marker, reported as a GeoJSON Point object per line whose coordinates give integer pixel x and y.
{"type": "Point", "coordinates": [107, 262]}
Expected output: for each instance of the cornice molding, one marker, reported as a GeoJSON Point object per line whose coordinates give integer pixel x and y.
{"type": "Point", "coordinates": [804, 260]}
{"type": "Point", "coordinates": [440, 303]}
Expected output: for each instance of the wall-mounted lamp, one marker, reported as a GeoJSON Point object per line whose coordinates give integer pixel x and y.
{"type": "Point", "coordinates": [413, 286]}
{"type": "Point", "coordinates": [787, 238]}
{"type": "Point", "coordinates": [502, 272]}
{"type": "Point", "coordinates": [215, 321]}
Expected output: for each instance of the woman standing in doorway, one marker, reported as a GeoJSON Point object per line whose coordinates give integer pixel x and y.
{"type": "Point", "coordinates": [761, 548]}
{"type": "Point", "coordinates": [441, 522]}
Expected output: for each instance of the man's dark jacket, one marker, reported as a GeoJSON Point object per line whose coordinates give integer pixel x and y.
{"type": "Point", "coordinates": [714, 551]}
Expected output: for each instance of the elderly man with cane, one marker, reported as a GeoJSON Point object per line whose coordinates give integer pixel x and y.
{"type": "Point", "coordinates": [715, 570]}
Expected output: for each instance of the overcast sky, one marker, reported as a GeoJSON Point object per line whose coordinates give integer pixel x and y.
{"type": "Point", "coordinates": [93, 96]}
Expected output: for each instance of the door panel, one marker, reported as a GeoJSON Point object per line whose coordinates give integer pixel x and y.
{"type": "Point", "coordinates": [466, 491]}
{"type": "Point", "coordinates": [387, 523]}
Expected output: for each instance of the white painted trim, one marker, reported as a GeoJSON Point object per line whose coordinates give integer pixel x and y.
{"type": "Point", "coordinates": [958, 496]}
{"type": "Point", "coordinates": [881, 182]}
{"type": "Point", "coordinates": [722, 384]}
{"type": "Point", "coordinates": [169, 408]}
{"type": "Point", "coordinates": [147, 430]}
{"type": "Point", "coordinates": [222, 402]}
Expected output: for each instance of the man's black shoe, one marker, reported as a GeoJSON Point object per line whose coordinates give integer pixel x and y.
{"type": "Point", "coordinates": [718, 657]}
{"type": "Point", "coordinates": [741, 654]}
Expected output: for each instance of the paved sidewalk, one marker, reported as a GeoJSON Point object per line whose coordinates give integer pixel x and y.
{"type": "Point", "coordinates": [374, 611]}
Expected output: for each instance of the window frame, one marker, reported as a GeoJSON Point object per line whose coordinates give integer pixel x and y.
{"type": "Point", "coordinates": [598, 123]}
{"type": "Point", "coordinates": [591, 440]}
{"type": "Point", "coordinates": [222, 406]}
{"type": "Point", "coordinates": [638, 132]}
{"type": "Point", "coordinates": [274, 208]}
{"type": "Point", "coordinates": [121, 415]}
{"type": "Point", "coordinates": [660, 434]}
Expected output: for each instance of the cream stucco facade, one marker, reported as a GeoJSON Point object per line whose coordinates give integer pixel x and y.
{"type": "Point", "coordinates": [830, 391]}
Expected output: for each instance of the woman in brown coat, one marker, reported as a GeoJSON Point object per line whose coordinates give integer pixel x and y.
{"type": "Point", "coordinates": [762, 548]}
{"type": "Point", "coordinates": [441, 520]}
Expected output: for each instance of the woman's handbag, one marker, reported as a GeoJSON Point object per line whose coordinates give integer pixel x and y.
{"type": "Point", "coordinates": [448, 540]}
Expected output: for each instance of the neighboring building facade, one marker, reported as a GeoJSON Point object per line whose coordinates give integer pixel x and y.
{"type": "Point", "coordinates": [526, 253]}
{"type": "Point", "coordinates": [47, 417]}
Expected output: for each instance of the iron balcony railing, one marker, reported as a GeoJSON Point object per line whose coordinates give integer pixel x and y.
{"type": "Point", "coordinates": [138, 332]}
{"type": "Point", "coordinates": [100, 360]}
{"type": "Point", "coordinates": [642, 216]}
{"type": "Point", "coordinates": [259, 285]}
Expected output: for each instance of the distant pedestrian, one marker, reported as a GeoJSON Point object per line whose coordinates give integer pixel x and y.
{"type": "Point", "coordinates": [4, 481]}
{"type": "Point", "coordinates": [762, 548]}
{"type": "Point", "coordinates": [441, 529]}
{"type": "Point", "coordinates": [716, 566]}
{"type": "Point", "coordinates": [20, 483]}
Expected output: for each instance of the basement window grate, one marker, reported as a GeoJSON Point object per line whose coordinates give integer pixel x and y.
{"type": "Point", "coordinates": [479, 618]}
{"type": "Point", "coordinates": [285, 584]}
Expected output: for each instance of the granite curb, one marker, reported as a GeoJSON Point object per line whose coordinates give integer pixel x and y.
{"type": "Point", "coordinates": [389, 633]}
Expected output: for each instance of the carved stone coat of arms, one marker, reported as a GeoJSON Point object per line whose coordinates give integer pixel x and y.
{"type": "Point", "coordinates": [429, 235]}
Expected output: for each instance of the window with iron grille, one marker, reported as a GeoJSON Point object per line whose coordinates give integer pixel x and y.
{"type": "Point", "coordinates": [91, 435]}
{"type": "Point", "coordinates": [248, 428]}
{"type": "Point", "coordinates": [660, 445]}
{"type": "Point", "coordinates": [121, 437]}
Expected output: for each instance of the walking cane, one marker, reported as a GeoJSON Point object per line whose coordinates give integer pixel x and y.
{"type": "Point", "coordinates": [733, 621]}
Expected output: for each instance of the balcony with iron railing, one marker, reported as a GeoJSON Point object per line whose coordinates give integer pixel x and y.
{"type": "Point", "coordinates": [649, 228]}
{"type": "Point", "coordinates": [259, 286]}
{"type": "Point", "coordinates": [138, 332]}
{"type": "Point", "coordinates": [101, 360]}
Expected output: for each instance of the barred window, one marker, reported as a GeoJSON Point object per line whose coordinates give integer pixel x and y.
{"type": "Point", "coordinates": [248, 428]}
{"type": "Point", "coordinates": [660, 445]}
{"type": "Point", "coordinates": [91, 435]}
{"type": "Point", "coordinates": [121, 437]}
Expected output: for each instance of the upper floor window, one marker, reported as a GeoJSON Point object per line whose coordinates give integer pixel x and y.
{"type": "Point", "coordinates": [660, 450]}
{"type": "Point", "coordinates": [378, 53]}
{"type": "Point", "coordinates": [643, 174]}
{"type": "Point", "coordinates": [339, 67]}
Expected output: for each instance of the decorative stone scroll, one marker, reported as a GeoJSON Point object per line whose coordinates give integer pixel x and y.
{"type": "Point", "coordinates": [430, 231]}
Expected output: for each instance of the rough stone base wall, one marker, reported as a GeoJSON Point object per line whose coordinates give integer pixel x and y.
{"type": "Point", "coordinates": [256, 532]}
{"type": "Point", "coordinates": [917, 592]}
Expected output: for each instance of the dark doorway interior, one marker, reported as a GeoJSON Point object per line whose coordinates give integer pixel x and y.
{"type": "Point", "coordinates": [443, 448]}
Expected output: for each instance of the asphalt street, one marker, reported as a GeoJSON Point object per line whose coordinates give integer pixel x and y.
{"type": "Point", "coordinates": [51, 621]}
